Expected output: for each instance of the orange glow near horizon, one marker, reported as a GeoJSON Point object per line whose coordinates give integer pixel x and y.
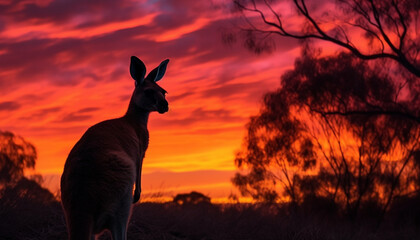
{"type": "Point", "coordinates": [63, 70]}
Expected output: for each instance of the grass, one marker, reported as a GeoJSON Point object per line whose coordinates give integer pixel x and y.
{"type": "Point", "coordinates": [166, 221]}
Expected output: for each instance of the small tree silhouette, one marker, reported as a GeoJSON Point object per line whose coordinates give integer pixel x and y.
{"type": "Point", "coordinates": [16, 154]}
{"type": "Point", "coordinates": [24, 203]}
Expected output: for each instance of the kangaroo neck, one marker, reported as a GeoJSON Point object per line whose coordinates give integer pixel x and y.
{"type": "Point", "coordinates": [138, 118]}
{"type": "Point", "coordinates": [137, 115]}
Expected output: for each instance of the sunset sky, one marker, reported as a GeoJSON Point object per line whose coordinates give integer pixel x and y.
{"type": "Point", "coordinates": [64, 67]}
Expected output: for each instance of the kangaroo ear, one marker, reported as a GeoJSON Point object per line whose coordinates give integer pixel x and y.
{"type": "Point", "coordinates": [157, 73]}
{"type": "Point", "coordinates": [137, 70]}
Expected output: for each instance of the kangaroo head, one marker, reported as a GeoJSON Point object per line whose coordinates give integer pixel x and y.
{"type": "Point", "coordinates": [148, 95]}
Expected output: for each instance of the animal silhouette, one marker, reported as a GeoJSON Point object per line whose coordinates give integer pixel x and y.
{"type": "Point", "coordinates": [103, 166]}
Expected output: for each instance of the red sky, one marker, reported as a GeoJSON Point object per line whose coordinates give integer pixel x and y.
{"type": "Point", "coordinates": [64, 68]}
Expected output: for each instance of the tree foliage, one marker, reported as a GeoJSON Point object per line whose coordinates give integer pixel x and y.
{"type": "Point", "coordinates": [296, 149]}
{"type": "Point", "coordinates": [16, 154]}
{"type": "Point", "coordinates": [338, 128]}
{"type": "Point", "coordinates": [17, 192]}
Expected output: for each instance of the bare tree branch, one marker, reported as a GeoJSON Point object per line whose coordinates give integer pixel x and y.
{"type": "Point", "coordinates": [361, 9]}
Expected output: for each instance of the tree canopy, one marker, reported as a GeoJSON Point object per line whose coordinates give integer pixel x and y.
{"type": "Point", "coordinates": [339, 127]}
{"type": "Point", "coordinates": [16, 154]}
{"type": "Point", "coordinates": [296, 149]}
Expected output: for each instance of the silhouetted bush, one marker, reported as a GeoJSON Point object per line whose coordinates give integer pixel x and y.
{"type": "Point", "coordinates": [29, 211]}
{"type": "Point", "coordinates": [192, 198]}
{"type": "Point", "coordinates": [26, 191]}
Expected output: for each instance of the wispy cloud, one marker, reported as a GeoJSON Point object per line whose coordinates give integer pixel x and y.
{"type": "Point", "coordinates": [9, 106]}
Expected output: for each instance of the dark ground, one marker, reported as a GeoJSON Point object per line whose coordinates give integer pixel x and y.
{"type": "Point", "coordinates": [35, 220]}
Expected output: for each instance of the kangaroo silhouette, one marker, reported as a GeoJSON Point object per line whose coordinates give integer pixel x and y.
{"type": "Point", "coordinates": [101, 169]}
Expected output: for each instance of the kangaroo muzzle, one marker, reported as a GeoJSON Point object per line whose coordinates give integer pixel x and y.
{"type": "Point", "coordinates": [162, 107]}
